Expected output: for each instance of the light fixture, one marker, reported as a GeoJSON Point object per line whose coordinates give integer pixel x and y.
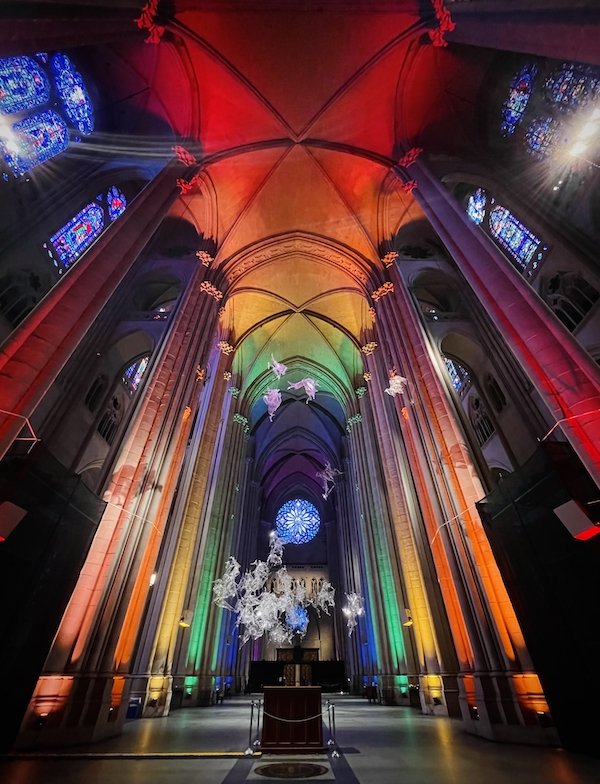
{"type": "Point", "coordinates": [186, 619]}
{"type": "Point", "coordinates": [406, 617]}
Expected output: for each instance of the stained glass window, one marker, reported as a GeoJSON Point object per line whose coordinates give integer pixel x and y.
{"type": "Point", "coordinates": [297, 521]}
{"type": "Point", "coordinates": [116, 202]}
{"type": "Point", "coordinates": [23, 85]}
{"type": "Point", "coordinates": [133, 375]}
{"type": "Point", "coordinates": [573, 85]}
{"type": "Point", "coordinates": [459, 375]}
{"type": "Point", "coordinates": [476, 206]}
{"type": "Point", "coordinates": [76, 236]}
{"type": "Point", "coordinates": [34, 140]}
{"type": "Point", "coordinates": [518, 98]}
{"type": "Point", "coordinates": [517, 240]}
{"type": "Point", "coordinates": [73, 94]}
{"type": "Point", "coordinates": [542, 135]}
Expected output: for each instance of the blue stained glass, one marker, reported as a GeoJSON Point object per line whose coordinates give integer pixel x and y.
{"type": "Point", "coordinates": [476, 206]}
{"type": "Point", "coordinates": [520, 243]}
{"type": "Point", "coordinates": [135, 372]}
{"type": "Point", "coordinates": [458, 375]}
{"type": "Point", "coordinates": [573, 85]}
{"type": "Point", "coordinates": [541, 136]}
{"type": "Point", "coordinates": [297, 618]}
{"type": "Point", "coordinates": [73, 94]}
{"type": "Point", "coordinates": [116, 202]}
{"type": "Point", "coordinates": [77, 235]}
{"type": "Point", "coordinates": [34, 140]}
{"type": "Point", "coordinates": [297, 521]}
{"type": "Point", "coordinates": [23, 85]}
{"type": "Point", "coordinates": [518, 98]}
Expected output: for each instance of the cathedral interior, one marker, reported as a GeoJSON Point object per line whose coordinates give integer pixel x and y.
{"type": "Point", "coordinates": [324, 268]}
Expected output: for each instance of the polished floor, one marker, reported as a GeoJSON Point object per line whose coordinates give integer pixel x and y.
{"type": "Point", "coordinates": [378, 745]}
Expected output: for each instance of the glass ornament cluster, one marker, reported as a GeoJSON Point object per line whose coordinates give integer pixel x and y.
{"type": "Point", "coordinates": [267, 600]}
{"type": "Point", "coordinates": [297, 521]}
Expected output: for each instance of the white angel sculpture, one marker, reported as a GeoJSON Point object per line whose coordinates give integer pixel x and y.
{"type": "Point", "coordinates": [397, 384]}
{"type": "Point", "coordinates": [272, 398]}
{"type": "Point", "coordinates": [278, 368]}
{"type": "Point", "coordinates": [327, 477]}
{"type": "Point", "coordinates": [308, 384]}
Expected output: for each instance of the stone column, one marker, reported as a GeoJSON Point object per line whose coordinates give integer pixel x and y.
{"type": "Point", "coordinates": [499, 686]}
{"type": "Point", "coordinates": [564, 375]}
{"type": "Point", "coordinates": [37, 350]}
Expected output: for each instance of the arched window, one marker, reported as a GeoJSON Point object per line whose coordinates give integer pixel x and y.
{"type": "Point", "coordinates": [73, 94]}
{"type": "Point", "coordinates": [573, 85]}
{"type": "Point", "coordinates": [27, 83]}
{"type": "Point", "coordinates": [96, 392]}
{"type": "Point", "coordinates": [480, 420]}
{"type": "Point", "coordinates": [517, 240]}
{"type": "Point", "coordinates": [476, 206]}
{"type": "Point", "coordinates": [297, 521]}
{"type": "Point", "coordinates": [518, 98]}
{"type": "Point", "coordinates": [76, 236]}
{"type": "Point", "coordinates": [133, 375]}
{"type": "Point", "coordinates": [34, 140]}
{"type": "Point", "coordinates": [23, 85]}
{"type": "Point", "coordinates": [495, 394]}
{"type": "Point", "coordinates": [459, 376]}
{"type": "Point", "coordinates": [110, 420]}
{"type": "Point", "coordinates": [542, 136]}
{"type": "Point", "coordinates": [571, 297]}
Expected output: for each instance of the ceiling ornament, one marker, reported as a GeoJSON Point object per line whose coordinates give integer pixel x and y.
{"type": "Point", "coordinates": [204, 257]}
{"type": "Point", "coordinates": [382, 291]}
{"type": "Point", "coordinates": [279, 614]}
{"type": "Point", "coordinates": [409, 187]}
{"type": "Point", "coordinates": [354, 420]}
{"type": "Point", "coordinates": [369, 348]}
{"type": "Point", "coordinates": [147, 21]}
{"type": "Point", "coordinates": [234, 391]}
{"type": "Point", "coordinates": [208, 288]}
{"type": "Point", "coordinates": [327, 477]}
{"type": "Point", "coordinates": [278, 368]}
{"type": "Point", "coordinates": [367, 376]}
{"type": "Point", "coordinates": [226, 373]}
{"type": "Point", "coordinates": [272, 398]}
{"type": "Point", "coordinates": [225, 347]}
{"type": "Point", "coordinates": [360, 392]}
{"type": "Point", "coordinates": [308, 384]}
{"type": "Point", "coordinates": [446, 25]}
{"type": "Point", "coordinates": [184, 155]}
{"type": "Point", "coordinates": [397, 384]}
{"type": "Point", "coordinates": [200, 373]}
{"type": "Point", "coordinates": [389, 258]}
{"type": "Point", "coordinates": [185, 186]}
{"type": "Point", "coordinates": [240, 419]}
{"type": "Point", "coordinates": [410, 157]}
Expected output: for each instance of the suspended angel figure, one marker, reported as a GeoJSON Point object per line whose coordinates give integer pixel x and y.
{"type": "Point", "coordinates": [273, 400]}
{"type": "Point", "coordinates": [327, 477]}
{"type": "Point", "coordinates": [397, 384]}
{"type": "Point", "coordinates": [308, 384]}
{"type": "Point", "coordinates": [277, 367]}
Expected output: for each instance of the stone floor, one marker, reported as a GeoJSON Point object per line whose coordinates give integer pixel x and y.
{"type": "Point", "coordinates": [379, 745]}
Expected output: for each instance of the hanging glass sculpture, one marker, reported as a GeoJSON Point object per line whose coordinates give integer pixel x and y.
{"type": "Point", "coordinates": [476, 206]}
{"type": "Point", "coordinates": [23, 85]}
{"type": "Point", "coordinates": [77, 235]}
{"type": "Point", "coordinates": [34, 140]}
{"type": "Point", "coordinates": [518, 98]}
{"type": "Point", "coordinates": [116, 202]}
{"type": "Point", "coordinates": [297, 521]}
{"type": "Point", "coordinates": [73, 94]}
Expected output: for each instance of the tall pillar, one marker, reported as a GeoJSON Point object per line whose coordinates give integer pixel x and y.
{"type": "Point", "coordinates": [34, 354]}
{"type": "Point", "coordinates": [561, 371]}
{"type": "Point", "coordinates": [85, 686]}
{"type": "Point", "coordinates": [500, 691]}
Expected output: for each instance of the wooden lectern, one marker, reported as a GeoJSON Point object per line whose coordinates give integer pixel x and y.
{"type": "Point", "coordinates": [292, 703]}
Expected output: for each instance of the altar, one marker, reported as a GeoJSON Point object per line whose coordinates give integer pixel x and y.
{"type": "Point", "coordinates": [292, 721]}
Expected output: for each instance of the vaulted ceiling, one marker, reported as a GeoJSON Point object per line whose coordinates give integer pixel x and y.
{"type": "Point", "coordinates": [300, 117]}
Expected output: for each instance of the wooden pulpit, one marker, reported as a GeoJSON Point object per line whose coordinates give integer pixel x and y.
{"type": "Point", "coordinates": [292, 721]}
